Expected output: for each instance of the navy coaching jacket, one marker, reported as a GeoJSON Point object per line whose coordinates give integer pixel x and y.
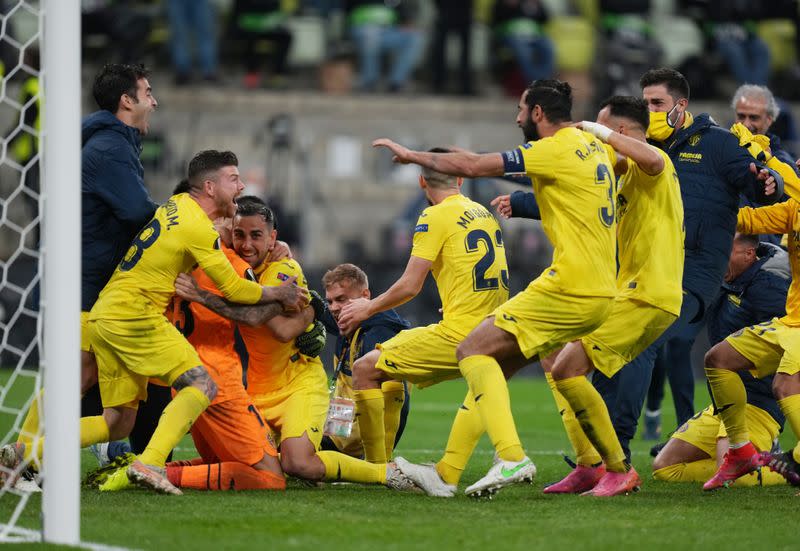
{"type": "Point", "coordinates": [757, 295]}
{"type": "Point", "coordinates": [713, 171]}
{"type": "Point", "coordinates": [114, 201]}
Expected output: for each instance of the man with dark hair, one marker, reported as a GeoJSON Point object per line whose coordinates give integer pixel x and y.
{"type": "Point", "coordinates": [574, 184]}
{"type": "Point", "coordinates": [754, 291]}
{"type": "Point", "coordinates": [713, 171]}
{"type": "Point", "coordinates": [115, 206]}
{"type": "Point", "coordinates": [650, 217]}
{"type": "Point", "coordinates": [287, 387]}
{"type": "Point", "coordinates": [132, 339]}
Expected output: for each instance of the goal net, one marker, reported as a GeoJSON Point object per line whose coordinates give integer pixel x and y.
{"type": "Point", "coordinates": [39, 266]}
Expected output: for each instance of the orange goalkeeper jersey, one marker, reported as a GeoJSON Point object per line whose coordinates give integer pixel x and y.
{"type": "Point", "coordinates": [211, 334]}
{"type": "Point", "coordinates": [779, 218]}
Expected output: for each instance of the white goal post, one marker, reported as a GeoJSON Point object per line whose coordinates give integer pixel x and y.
{"type": "Point", "coordinates": [61, 194]}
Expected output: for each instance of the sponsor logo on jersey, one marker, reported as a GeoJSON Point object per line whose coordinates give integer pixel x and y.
{"type": "Point", "coordinates": [421, 228]}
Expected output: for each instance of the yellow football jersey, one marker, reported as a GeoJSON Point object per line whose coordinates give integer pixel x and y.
{"type": "Point", "coordinates": [179, 237]}
{"type": "Point", "coordinates": [274, 364]}
{"type": "Point", "coordinates": [465, 244]}
{"type": "Point", "coordinates": [650, 236]}
{"type": "Point", "coordinates": [573, 180]}
{"type": "Point", "coordinates": [779, 218]}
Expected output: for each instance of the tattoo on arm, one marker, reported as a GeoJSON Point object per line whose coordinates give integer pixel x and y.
{"type": "Point", "coordinates": [253, 315]}
{"type": "Point", "coordinates": [199, 378]}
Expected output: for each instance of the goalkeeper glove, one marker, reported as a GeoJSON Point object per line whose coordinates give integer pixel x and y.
{"type": "Point", "coordinates": [319, 305]}
{"type": "Point", "coordinates": [312, 341]}
{"type": "Point", "coordinates": [757, 145]}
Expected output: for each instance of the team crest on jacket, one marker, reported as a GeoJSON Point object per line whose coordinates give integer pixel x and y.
{"type": "Point", "coordinates": [694, 140]}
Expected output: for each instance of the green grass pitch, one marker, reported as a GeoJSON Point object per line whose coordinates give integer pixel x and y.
{"type": "Point", "coordinates": [661, 516]}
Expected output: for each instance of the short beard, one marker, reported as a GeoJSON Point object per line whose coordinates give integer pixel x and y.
{"type": "Point", "coordinates": [530, 131]}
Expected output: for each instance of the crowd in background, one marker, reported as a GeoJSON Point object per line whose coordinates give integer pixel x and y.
{"type": "Point", "coordinates": [401, 45]}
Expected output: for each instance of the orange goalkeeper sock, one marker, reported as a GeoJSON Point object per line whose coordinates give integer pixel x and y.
{"type": "Point", "coordinates": [187, 462]}
{"type": "Point", "coordinates": [224, 476]}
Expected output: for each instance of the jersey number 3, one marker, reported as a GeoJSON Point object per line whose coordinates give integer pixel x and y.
{"type": "Point", "coordinates": [145, 239]}
{"type": "Point", "coordinates": [604, 178]}
{"type": "Point", "coordinates": [479, 280]}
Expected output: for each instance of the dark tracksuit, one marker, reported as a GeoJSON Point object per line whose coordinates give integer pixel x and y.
{"type": "Point", "coordinates": [115, 205]}
{"type": "Point", "coordinates": [713, 171]}
{"type": "Point", "coordinates": [377, 329]}
{"type": "Point", "coordinates": [757, 295]}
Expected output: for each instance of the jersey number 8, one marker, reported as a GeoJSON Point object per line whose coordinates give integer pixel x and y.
{"type": "Point", "coordinates": [145, 239]}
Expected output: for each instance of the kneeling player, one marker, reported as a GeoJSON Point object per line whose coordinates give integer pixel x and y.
{"type": "Point", "coordinates": [287, 387]}
{"type": "Point", "coordinates": [771, 347]}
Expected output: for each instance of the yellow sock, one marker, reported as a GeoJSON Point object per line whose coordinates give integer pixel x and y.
{"type": "Point", "coordinates": [394, 396]}
{"type": "Point", "coordinates": [486, 381]}
{"type": "Point", "coordinates": [30, 433]}
{"type": "Point", "coordinates": [369, 412]}
{"type": "Point", "coordinates": [585, 454]}
{"type": "Point", "coordinates": [696, 471]}
{"type": "Point", "coordinates": [790, 407]}
{"type": "Point", "coordinates": [703, 469]}
{"type": "Point", "coordinates": [592, 414]}
{"type": "Point", "coordinates": [339, 466]}
{"type": "Point", "coordinates": [93, 430]}
{"type": "Point", "coordinates": [730, 399]}
{"type": "Point", "coordinates": [177, 418]}
{"type": "Point", "coordinates": [464, 436]}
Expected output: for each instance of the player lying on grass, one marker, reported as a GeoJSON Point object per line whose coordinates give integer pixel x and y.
{"type": "Point", "coordinates": [754, 291]}
{"type": "Point", "coordinates": [287, 387]}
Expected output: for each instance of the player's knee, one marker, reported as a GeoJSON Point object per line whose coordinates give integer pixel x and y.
{"type": "Point", "coordinates": [199, 378]}
{"type": "Point", "coordinates": [465, 349]}
{"type": "Point", "coordinates": [781, 386]}
{"type": "Point", "coordinates": [88, 371]}
{"type": "Point", "coordinates": [364, 371]}
{"type": "Point", "coordinates": [298, 466]}
{"type": "Point", "coordinates": [713, 358]}
{"type": "Point", "coordinates": [660, 462]}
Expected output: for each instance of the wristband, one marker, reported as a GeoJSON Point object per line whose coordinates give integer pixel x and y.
{"type": "Point", "coordinates": [598, 130]}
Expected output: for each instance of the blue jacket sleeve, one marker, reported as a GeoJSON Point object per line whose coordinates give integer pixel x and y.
{"type": "Point", "coordinates": [767, 295]}
{"type": "Point", "coordinates": [123, 190]}
{"type": "Point", "coordinates": [375, 335]}
{"type": "Point", "coordinates": [524, 205]}
{"type": "Point", "coordinates": [734, 166]}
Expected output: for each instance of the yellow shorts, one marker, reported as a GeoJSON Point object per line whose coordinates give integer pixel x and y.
{"type": "Point", "coordinates": [130, 352]}
{"type": "Point", "coordinates": [704, 429]}
{"type": "Point", "coordinates": [86, 346]}
{"type": "Point", "coordinates": [544, 321]}
{"type": "Point", "coordinates": [298, 408]}
{"type": "Point", "coordinates": [631, 327]}
{"type": "Point", "coordinates": [422, 355]}
{"type": "Point", "coordinates": [772, 346]}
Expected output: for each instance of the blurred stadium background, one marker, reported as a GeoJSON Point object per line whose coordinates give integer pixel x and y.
{"type": "Point", "coordinates": [302, 132]}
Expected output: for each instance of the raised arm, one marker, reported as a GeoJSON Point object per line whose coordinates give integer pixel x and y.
{"type": "Point", "coordinates": [403, 290]}
{"type": "Point", "coordinates": [643, 154]}
{"type": "Point", "coordinates": [254, 315]}
{"type": "Point", "coordinates": [462, 163]}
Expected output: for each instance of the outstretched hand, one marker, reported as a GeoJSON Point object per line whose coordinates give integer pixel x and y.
{"type": "Point", "coordinates": [401, 154]}
{"type": "Point", "coordinates": [502, 203]}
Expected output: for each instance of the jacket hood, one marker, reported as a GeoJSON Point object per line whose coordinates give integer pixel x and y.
{"type": "Point", "coordinates": [105, 120]}
{"type": "Point", "coordinates": [771, 258]}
